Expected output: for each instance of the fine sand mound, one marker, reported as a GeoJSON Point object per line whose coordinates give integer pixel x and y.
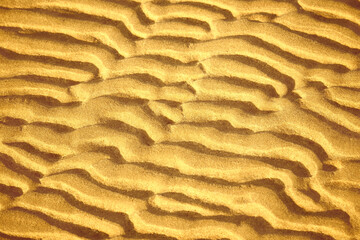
{"type": "Point", "coordinates": [180, 119]}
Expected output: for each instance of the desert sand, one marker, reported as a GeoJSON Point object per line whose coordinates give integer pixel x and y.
{"type": "Point", "coordinates": [180, 119]}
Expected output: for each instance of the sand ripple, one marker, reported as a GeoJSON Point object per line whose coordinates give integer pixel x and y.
{"type": "Point", "coordinates": [179, 119]}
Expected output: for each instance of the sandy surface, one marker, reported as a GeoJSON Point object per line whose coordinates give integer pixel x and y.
{"type": "Point", "coordinates": [180, 119]}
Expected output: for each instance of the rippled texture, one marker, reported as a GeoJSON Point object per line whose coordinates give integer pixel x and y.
{"type": "Point", "coordinates": [180, 119]}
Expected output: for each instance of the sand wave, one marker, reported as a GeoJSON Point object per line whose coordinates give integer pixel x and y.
{"type": "Point", "coordinates": [179, 119]}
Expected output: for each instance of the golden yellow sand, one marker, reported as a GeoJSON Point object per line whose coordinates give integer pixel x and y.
{"type": "Point", "coordinates": [180, 119]}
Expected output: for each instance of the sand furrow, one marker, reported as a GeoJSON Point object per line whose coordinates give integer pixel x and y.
{"type": "Point", "coordinates": [58, 208]}
{"type": "Point", "coordinates": [185, 168]}
{"type": "Point", "coordinates": [197, 11]}
{"type": "Point", "coordinates": [182, 132]}
{"type": "Point", "coordinates": [35, 69]}
{"type": "Point", "coordinates": [111, 32]}
{"type": "Point", "coordinates": [100, 8]}
{"type": "Point", "coordinates": [31, 20]}
{"type": "Point", "coordinates": [337, 147]}
{"type": "Point", "coordinates": [141, 222]}
{"type": "Point", "coordinates": [179, 119]}
{"type": "Point", "coordinates": [319, 105]}
{"type": "Point", "coordinates": [12, 179]}
{"type": "Point", "coordinates": [35, 227]}
{"type": "Point", "coordinates": [244, 67]}
{"type": "Point", "coordinates": [157, 160]}
{"type": "Point", "coordinates": [239, 206]}
{"type": "Point", "coordinates": [26, 45]}
{"type": "Point", "coordinates": [344, 96]}
{"type": "Point", "coordinates": [288, 41]}
{"type": "Point", "coordinates": [33, 166]}
{"type": "Point", "coordinates": [22, 87]}
{"type": "Point", "coordinates": [243, 7]}
{"type": "Point", "coordinates": [307, 24]}
{"type": "Point", "coordinates": [333, 9]}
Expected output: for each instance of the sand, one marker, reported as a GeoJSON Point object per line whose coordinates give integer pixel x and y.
{"type": "Point", "coordinates": [180, 119]}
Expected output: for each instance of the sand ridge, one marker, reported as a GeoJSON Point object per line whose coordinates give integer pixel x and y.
{"type": "Point", "coordinates": [179, 119]}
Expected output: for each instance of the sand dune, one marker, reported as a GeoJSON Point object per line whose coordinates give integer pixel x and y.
{"type": "Point", "coordinates": [179, 119]}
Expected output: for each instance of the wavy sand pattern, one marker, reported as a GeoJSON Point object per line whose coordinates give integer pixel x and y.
{"type": "Point", "coordinates": [180, 119]}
